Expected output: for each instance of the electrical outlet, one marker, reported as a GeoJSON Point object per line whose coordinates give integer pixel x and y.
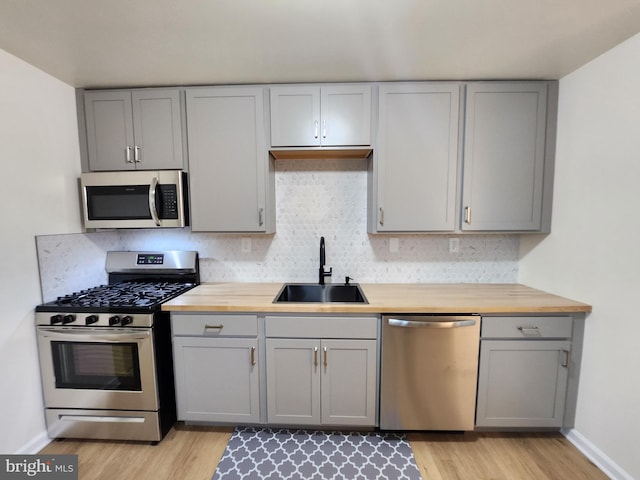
{"type": "Point", "coordinates": [394, 245]}
{"type": "Point", "coordinates": [245, 245]}
{"type": "Point", "coordinates": [454, 245]}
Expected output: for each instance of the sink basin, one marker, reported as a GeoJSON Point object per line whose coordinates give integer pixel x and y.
{"type": "Point", "coordinates": [316, 293]}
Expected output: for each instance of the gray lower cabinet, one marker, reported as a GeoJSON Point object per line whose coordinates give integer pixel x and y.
{"type": "Point", "coordinates": [232, 179]}
{"type": "Point", "coordinates": [524, 371]}
{"type": "Point", "coordinates": [321, 381]}
{"type": "Point", "coordinates": [134, 129]}
{"type": "Point", "coordinates": [217, 370]}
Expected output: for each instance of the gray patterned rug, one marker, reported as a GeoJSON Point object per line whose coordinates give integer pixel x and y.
{"type": "Point", "coordinates": [283, 454]}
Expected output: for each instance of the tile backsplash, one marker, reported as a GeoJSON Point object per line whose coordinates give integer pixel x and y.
{"type": "Point", "coordinates": [314, 198]}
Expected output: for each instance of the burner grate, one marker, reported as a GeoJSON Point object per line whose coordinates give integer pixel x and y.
{"type": "Point", "coordinates": [124, 294]}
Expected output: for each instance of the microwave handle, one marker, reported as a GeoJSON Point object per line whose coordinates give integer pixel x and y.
{"type": "Point", "coordinates": [152, 201]}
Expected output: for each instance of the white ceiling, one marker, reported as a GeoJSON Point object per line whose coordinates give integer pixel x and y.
{"type": "Point", "coordinates": [105, 43]}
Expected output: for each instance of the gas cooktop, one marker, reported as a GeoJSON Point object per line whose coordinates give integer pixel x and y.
{"type": "Point", "coordinates": [118, 297]}
{"type": "Point", "coordinates": [139, 282]}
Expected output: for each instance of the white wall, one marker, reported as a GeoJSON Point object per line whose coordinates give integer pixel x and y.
{"type": "Point", "coordinates": [592, 254]}
{"type": "Point", "coordinates": [40, 164]}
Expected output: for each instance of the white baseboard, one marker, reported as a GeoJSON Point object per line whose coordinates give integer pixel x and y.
{"type": "Point", "coordinates": [597, 456]}
{"type": "Point", "coordinates": [35, 445]}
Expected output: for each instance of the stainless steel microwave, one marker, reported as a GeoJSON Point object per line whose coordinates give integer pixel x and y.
{"type": "Point", "coordinates": [140, 199]}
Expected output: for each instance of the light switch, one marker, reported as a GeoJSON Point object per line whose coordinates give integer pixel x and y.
{"type": "Point", "coordinates": [454, 245]}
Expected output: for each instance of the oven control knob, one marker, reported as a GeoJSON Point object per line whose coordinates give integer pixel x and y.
{"type": "Point", "coordinates": [126, 320]}
{"type": "Point", "coordinates": [114, 320]}
{"type": "Point", "coordinates": [56, 319]}
{"type": "Point", "coordinates": [68, 319]}
{"type": "Point", "coordinates": [91, 319]}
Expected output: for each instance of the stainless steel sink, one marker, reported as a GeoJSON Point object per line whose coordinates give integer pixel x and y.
{"type": "Point", "coordinates": [316, 293]}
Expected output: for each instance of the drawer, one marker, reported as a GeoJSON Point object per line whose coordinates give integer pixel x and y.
{"type": "Point", "coordinates": [214, 325]}
{"type": "Point", "coordinates": [321, 327]}
{"type": "Point", "coordinates": [529, 327]}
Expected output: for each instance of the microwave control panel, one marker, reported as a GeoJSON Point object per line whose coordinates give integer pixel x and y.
{"type": "Point", "coordinates": [168, 206]}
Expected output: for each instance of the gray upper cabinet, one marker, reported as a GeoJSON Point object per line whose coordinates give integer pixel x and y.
{"type": "Point", "coordinates": [134, 129]}
{"type": "Point", "coordinates": [505, 146]}
{"type": "Point", "coordinates": [314, 116]}
{"type": "Point", "coordinates": [502, 179]}
{"type": "Point", "coordinates": [232, 180]}
{"type": "Point", "coordinates": [415, 158]}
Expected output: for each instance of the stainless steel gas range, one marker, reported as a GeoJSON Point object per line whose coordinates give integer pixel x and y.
{"type": "Point", "coordinates": [105, 353]}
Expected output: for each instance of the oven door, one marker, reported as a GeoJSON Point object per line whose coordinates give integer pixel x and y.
{"type": "Point", "coordinates": [98, 368]}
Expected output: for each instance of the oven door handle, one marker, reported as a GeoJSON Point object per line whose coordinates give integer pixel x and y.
{"type": "Point", "coordinates": [99, 337]}
{"type": "Point", "coordinates": [153, 208]}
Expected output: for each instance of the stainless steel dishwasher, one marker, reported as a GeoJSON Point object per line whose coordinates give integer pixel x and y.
{"type": "Point", "coordinates": [429, 372]}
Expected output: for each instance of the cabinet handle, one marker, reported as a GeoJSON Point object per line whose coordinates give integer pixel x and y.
{"type": "Point", "coordinates": [136, 154]}
{"type": "Point", "coordinates": [315, 357]}
{"type": "Point", "coordinates": [261, 216]}
{"type": "Point", "coordinates": [467, 214]}
{"type": "Point", "coordinates": [127, 154]}
{"type": "Point", "coordinates": [253, 356]}
{"type": "Point", "coordinates": [565, 361]}
{"type": "Point", "coordinates": [325, 357]}
{"type": "Point", "coordinates": [530, 331]}
{"type": "Point", "coordinates": [381, 217]}
{"type": "Point", "coordinates": [315, 129]}
{"type": "Point", "coordinates": [216, 327]}
{"type": "Point", "coordinates": [324, 129]}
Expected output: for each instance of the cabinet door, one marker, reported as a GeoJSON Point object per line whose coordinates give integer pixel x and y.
{"type": "Point", "coordinates": [349, 382]}
{"type": "Point", "coordinates": [522, 383]}
{"type": "Point", "coordinates": [293, 381]}
{"type": "Point", "coordinates": [217, 379]}
{"type": "Point", "coordinates": [345, 115]}
{"type": "Point", "coordinates": [504, 153]}
{"type": "Point", "coordinates": [295, 116]}
{"type": "Point", "coordinates": [157, 128]}
{"type": "Point", "coordinates": [109, 121]}
{"type": "Point", "coordinates": [416, 158]}
{"type": "Point", "coordinates": [228, 160]}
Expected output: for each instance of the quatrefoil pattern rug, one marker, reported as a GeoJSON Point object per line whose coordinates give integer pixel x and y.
{"type": "Point", "coordinates": [283, 454]}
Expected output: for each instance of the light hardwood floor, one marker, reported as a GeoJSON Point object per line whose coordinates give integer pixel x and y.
{"type": "Point", "coordinates": [192, 453]}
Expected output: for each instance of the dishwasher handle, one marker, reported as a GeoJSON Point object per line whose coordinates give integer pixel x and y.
{"type": "Point", "coordinates": [397, 322]}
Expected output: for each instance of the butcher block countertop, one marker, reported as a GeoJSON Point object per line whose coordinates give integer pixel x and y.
{"type": "Point", "coordinates": [383, 298]}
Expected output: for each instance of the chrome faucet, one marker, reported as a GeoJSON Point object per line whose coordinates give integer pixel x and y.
{"type": "Point", "coordinates": [322, 271]}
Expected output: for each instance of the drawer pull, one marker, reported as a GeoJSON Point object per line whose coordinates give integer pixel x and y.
{"type": "Point", "coordinates": [214, 327]}
{"type": "Point", "coordinates": [530, 331]}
